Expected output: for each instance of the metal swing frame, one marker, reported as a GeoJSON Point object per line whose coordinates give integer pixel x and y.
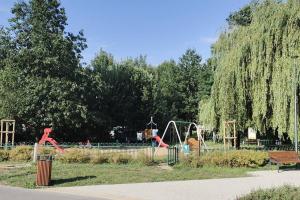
{"type": "Point", "coordinates": [200, 138]}
{"type": "Point", "coordinates": [178, 135]}
{"type": "Point", "coordinates": [163, 136]}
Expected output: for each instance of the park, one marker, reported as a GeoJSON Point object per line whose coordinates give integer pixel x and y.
{"type": "Point", "coordinates": [112, 100]}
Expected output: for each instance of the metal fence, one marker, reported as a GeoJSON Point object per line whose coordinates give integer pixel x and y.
{"type": "Point", "coordinates": [133, 149]}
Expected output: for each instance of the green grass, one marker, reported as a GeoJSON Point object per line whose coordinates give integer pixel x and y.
{"type": "Point", "coordinates": [89, 174]}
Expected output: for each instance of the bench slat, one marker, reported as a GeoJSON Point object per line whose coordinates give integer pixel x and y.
{"type": "Point", "coordinates": [284, 156]}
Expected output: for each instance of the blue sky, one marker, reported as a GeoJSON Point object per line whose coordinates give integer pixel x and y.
{"type": "Point", "coordinates": [159, 29]}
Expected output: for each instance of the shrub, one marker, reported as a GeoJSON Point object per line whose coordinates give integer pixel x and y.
{"type": "Point", "coordinates": [99, 158]}
{"type": "Point", "coordinates": [74, 156]}
{"type": "Point", "coordinates": [118, 158]}
{"type": "Point", "coordinates": [191, 160]}
{"type": "Point", "coordinates": [21, 153]}
{"type": "Point", "coordinates": [4, 155]}
{"type": "Point", "coordinates": [46, 150]}
{"type": "Point", "coordinates": [281, 193]}
{"type": "Point", "coordinates": [144, 159]}
{"type": "Point", "coordinates": [240, 158]}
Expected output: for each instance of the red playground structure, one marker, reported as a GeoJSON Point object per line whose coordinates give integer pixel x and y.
{"type": "Point", "coordinates": [46, 138]}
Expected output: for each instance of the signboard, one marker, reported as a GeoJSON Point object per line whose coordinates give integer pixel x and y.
{"type": "Point", "coordinates": [251, 134]}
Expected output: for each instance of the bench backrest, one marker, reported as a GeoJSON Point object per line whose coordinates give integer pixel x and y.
{"type": "Point", "coordinates": [283, 155]}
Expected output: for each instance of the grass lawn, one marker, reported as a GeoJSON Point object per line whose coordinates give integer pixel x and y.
{"type": "Point", "coordinates": [90, 174]}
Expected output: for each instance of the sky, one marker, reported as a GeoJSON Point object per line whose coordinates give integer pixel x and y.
{"type": "Point", "coordinates": [159, 29]}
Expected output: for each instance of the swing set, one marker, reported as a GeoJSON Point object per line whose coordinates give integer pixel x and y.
{"type": "Point", "coordinates": [179, 136]}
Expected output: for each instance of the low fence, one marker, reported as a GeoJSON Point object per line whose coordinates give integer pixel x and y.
{"type": "Point", "coordinates": [135, 149]}
{"type": "Point", "coordinates": [131, 149]}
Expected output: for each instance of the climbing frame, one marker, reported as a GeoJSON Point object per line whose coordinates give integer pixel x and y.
{"type": "Point", "coordinates": [229, 133]}
{"type": "Point", "coordinates": [7, 129]}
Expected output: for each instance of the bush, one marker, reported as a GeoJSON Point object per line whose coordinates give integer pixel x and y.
{"type": "Point", "coordinates": [191, 160]}
{"type": "Point", "coordinates": [240, 158]}
{"type": "Point", "coordinates": [74, 156]}
{"type": "Point", "coordinates": [281, 193]}
{"type": "Point", "coordinates": [4, 155]}
{"type": "Point", "coordinates": [46, 150]}
{"type": "Point", "coordinates": [118, 158]}
{"type": "Point", "coordinates": [144, 159]}
{"type": "Point", "coordinates": [99, 158]}
{"type": "Point", "coordinates": [21, 153]}
{"type": "Point", "coordinates": [92, 156]}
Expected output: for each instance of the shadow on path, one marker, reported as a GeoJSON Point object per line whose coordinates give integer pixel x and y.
{"type": "Point", "coordinates": [68, 180]}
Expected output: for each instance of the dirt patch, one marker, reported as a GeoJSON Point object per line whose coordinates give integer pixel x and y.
{"type": "Point", "coordinates": [165, 166]}
{"type": "Point", "coordinates": [5, 167]}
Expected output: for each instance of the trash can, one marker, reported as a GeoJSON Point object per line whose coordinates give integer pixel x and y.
{"type": "Point", "coordinates": [44, 166]}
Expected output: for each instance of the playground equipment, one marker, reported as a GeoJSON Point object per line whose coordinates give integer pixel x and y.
{"type": "Point", "coordinates": [201, 129]}
{"type": "Point", "coordinates": [151, 123]}
{"type": "Point", "coordinates": [46, 138]}
{"type": "Point", "coordinates": [193, 143]}
{"type": "Point", "coordinates": [176, 129]}
{"type": "Point", "coordinates": [229, 133]}
{"type": "Point", "coordinates": [160, 142]}
{"type": "Point", "coordinates": [152, 134]}
{"type": "Point", "coordinates": [7, 129]}
{"type": "Point", "coordinates": [148, 133]}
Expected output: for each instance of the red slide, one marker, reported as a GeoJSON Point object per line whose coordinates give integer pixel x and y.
{"type": "Point", "coordinates": [162, 144]}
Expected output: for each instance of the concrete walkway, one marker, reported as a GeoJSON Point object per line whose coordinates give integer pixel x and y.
{"type": "Point", "coordinates": [228, 188]}
{"type": "Point", "coordinates": [14, 193]}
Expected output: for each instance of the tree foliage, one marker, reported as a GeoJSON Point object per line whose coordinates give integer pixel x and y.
{"type": "Point", "coordinates": [127, 91]}
{"type": "Point", "coordinates": [253, 80]}
{"type": "Point", "coordinates": [181, 86]}
{"type": "Point", "coordinates": [43, 84]}
{"type": "Point", "coordinates": [41, 68]}
{"type": "Point", "coordinates": [242, 17]}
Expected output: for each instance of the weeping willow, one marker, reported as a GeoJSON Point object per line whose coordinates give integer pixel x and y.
{"type": "Point", "coordinates": [253, 79]}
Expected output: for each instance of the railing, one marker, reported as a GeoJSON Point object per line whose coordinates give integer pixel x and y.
{"type": "Point", "coordinates": [173, 155]}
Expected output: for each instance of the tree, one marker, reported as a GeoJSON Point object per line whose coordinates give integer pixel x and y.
{"type": "Point", "coordinates": [127, 91]}
{"type": "Point", "coordinates": [190, 68]}
{"type": "Point", "coordinates": [253, 78]}
{"type": "Point", "coordinates": [167, 98]}
{"type": "Point", "coordinates": [243, 17]}
{"type": "Point", "coordinates": [43, 47]}
{"type": "Point", "coordinates": [180, 87]}
{"type": "Point", "coordinates": [4, 46]}
{"type": "Point", "coordinates": [43, 68]}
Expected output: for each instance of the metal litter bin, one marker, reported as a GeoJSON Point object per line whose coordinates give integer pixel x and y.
{"type": "Point", "coordinates": [44, 167]}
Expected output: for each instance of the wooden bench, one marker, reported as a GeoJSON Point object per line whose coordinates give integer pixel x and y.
{"type": "Point", "coordinates": [283, 157]}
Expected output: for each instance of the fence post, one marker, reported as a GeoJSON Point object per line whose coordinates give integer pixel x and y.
{"type": "Point", "coordinates": [153, 150]}
{"type": "Point", "coordinates": [35, 151]}
{"type": "Point", "coordinates": [168, 157]}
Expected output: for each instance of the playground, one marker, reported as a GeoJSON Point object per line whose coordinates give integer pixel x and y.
{"type": "Point", "coordinates": [177, 140]}
{"type": "Point", "coordinates": [179, 151]}
{"type": "Point", "coordinates": [142, 114]}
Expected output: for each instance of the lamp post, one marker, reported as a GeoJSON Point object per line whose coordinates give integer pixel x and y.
{"type": "Point", "coordinates": [296, 103]}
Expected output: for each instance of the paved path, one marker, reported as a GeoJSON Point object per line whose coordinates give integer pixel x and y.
{"type": "Point", "coordinates": [228, 188]}
{"type": "Point", "coordinates": [14, 193]}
